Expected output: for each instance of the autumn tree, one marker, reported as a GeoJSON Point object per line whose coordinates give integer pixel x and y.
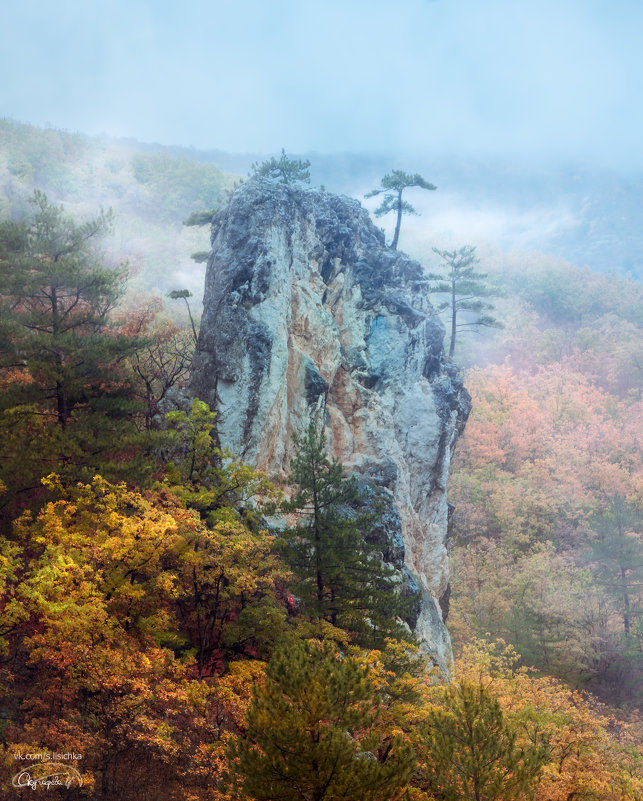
{"type": "Point", "coordinates": [231, 573]}
{"type": "Point", "coordinates": [310, 733]}
{"type": "Point", "coordinates": [82, 665]}
{"type": "Point", "coordinates": [392, 186]}
{"type": "Point", "coordinates": [544, 454]}
{"type": "Point", "coordinates": [587, 751]}
{"type": "Point", "coordinates": [163, 359]}
{"type": "Point", "coordinates": [208, 478]}
{"type": "Point", "coordinates": [120, 611]}
{"type": "Point", "coordinates": [231, 570]}
{"type": "Point", "coordinates": [342, 578]}
{"type": "Point", "coordinates": [466, 289]}
{"type": "Point", "coordinates": [283, 170]}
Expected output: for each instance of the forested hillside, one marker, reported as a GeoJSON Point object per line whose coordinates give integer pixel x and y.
{"type": "Point", "coordinates": [547, 481]}
{"type": "Point", "coordinates": [152, 625]}
{"type": "Point", "coordinates": [151, 194]}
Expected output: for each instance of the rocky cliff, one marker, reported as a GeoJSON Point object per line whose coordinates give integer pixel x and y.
{"type": "Point", "coordinates": [304, 304]}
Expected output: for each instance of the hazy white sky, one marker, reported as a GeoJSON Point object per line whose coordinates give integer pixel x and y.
{"type": "Point", "coordinates": [541, 79]}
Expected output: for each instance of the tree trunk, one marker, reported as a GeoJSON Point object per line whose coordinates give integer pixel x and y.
{"type": "Point", "coordinates": [61, 394]}
{"type": "Point", "coordinates": [396, 235]}
{"type": "Point", "coordinates": [454, 313]}
{"type": "Point", "coordinates": [626, 602]}
{"type": "Point", "coordinates": [61, 405]}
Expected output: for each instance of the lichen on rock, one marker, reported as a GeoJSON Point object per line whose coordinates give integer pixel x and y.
{"type": "Point", "coordinates": [304, 303]}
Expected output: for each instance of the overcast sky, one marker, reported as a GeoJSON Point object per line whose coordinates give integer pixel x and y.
{"type": "Point", "coordinates": [546, 79]}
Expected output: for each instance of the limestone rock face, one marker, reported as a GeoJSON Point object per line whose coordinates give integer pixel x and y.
{"type": "Point", "coordinates": [305, 303]}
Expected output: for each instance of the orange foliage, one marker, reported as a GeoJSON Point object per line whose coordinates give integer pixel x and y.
{"type": "Point", "coordinates": [94, 656]}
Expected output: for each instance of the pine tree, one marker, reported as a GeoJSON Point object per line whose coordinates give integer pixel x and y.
{"type": "Point", "coordinates": [308, 735]}
{"type": "Point", "coordinates": [466, 288]}
{"type": "Point", "coordinates": [184, 294]}
{"type": "Point", "coordinates": [471, 750]}
{"type": "Point", "coordinates": [283, 170]}
{"type": "Point", "coordinates": [66, 391]}
{"type": "Point", "coordinates": [617, 554]}
{"type": "Point", "coordinates": [342, 579]}
{"type": "Point", "coordinates": [199, 219]}
{"type": "Point", "coordinates": [57, 296]}
{"type": "Point", "coordinates": [392, 185]}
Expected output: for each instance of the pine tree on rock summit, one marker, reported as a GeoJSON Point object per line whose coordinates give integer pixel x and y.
{"type": "Point", "coordinates": [283, 170]}
{"type": "Point", "coordinates": [392, 185]}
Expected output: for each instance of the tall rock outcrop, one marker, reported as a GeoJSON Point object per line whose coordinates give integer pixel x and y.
{"type": "Point", "coordinates": [303, 303]}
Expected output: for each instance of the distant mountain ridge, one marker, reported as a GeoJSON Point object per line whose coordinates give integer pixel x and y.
{"type": "Point", "coordinates": [587, 216]}
{"type": "Point", "coordinates": [600, 212]}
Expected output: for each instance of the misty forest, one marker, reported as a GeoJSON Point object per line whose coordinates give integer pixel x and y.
{"type": "Point", "coordinates": [320, 475]}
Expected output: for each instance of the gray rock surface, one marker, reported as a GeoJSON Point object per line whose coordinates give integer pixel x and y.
{"type": "Point", "coordinates": [304, 305]}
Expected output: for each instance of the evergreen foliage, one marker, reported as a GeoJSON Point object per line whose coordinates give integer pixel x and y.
{"type": "Point", "coordinates": [132, 621]}
{"type": "Point", "coordinates": [57, 297]}
{"type": "Point", "coordinates": [393, 185]}
{"type": "Point", "coordinates": [466, 288]}
{"type": "Point", "coordinates": [184, 294]}
{"type": "Point", "coordinates": [200, 256]}
{"type": "Point", "coordinates": [62, 358]}
{"type": "Point", "coordinates": [283, 170]}
{"type": "Point", "coordinates": [617, 557]}
{"type": "Point", "coordinates": [342, 579]}
{"type": "Point", "coordinates": [199, 218]}
{"type": "Point", "coordinates": [309, 733]}
{"type": "Point", "coordinates": [471, 750]}
{"type": "Point", "coordinates": [178, 184]}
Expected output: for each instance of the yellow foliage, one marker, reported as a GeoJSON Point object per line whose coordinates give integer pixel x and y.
{"type": "Point", "coordinates": [591, 754]}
